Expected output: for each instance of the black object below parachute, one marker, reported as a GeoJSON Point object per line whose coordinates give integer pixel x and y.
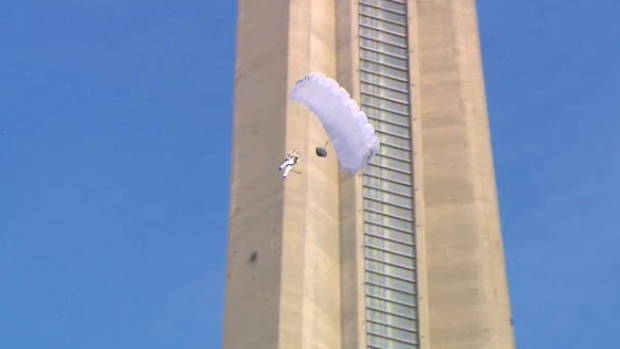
{"type": "Point", "coordinates": [321, 152]}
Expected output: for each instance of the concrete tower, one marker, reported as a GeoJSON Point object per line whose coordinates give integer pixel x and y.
{"type": "Point", "coordinates": [407, 254]}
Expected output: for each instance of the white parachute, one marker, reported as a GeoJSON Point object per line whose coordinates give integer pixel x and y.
{"type": "Point", "coordinates": [347, 127]}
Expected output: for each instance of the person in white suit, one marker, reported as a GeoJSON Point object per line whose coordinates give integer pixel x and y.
{"type": "Point", "coordinates": [292, 158]}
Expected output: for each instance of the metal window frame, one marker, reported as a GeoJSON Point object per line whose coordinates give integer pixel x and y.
{"type": "Point", "coordinates": [385, 97]}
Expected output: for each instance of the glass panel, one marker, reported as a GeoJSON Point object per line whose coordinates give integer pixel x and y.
{"type": "Point", "coordinates": [391, 258]}
{"type": "Point", "coordinates": [391, 320]}
{"type": "Point", "coordinates": [386, 4]}
{"type": "Point", "coordinates": [392, 118]}
{"type": "Point", "coordinates": [381, 268]}
{"type": "Point", "coordinates": [393, 140]}
{"type": "Point", "coordinates": [391, 332]}
{"type": "Point", "coordinates": [388, 245]}
{"type": "Point", "coordinates": [384, 92]}
{"type": "Point", "coordinates": [384, 115]}
{"type": "Point", "coordinates": [383, 36]}
{"type": "Point", "coordinates": [384, 59]}
{"type": "Point", "coordinates": [389, 282]}
{"type": "Point", "coordinates": [388, 215]}
{"type": "Point", "coordinates": [391, 307]}
{"type": "Point", "coordinates": [386, 233]}
{"type": "Point", "coordinates": [383, 69]}
{"type": "Point", "coordinates": [387, 221]}
{"type": "Point", "coordinates": [383, 47]}
{"type": "Point", "coordinates": [402, 131]}
{"type": "Point", "coordinates": [377, 23]}
{"type": "Point", "coordinates": [375, 230]}
{"type": "Point", "coordinates": [381, 14]}
{"type": "Point", "coordinates": [387, 185]}
{"type": "Point", "coordinates": [384, 104]}
{"type": "Point", "coordinates": [387, 294]}
{"type": "Point", "coordinates": [384, 81]}
{"type": "Point", "coordinates": [395, 152]}
{"type": "Point", "coordinates": [392, 163]}
{"type": "Point", "coordinates": [384, 343]}
{"type": "Point", "coordinates": [382, 172]}
{"type": "Point", "coordinates": [388, 209]}
{"type": "Point", "coordinates": [394, 199]}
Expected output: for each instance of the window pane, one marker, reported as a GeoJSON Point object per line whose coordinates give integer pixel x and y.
{"type": "Point", "coordinates": [391, 258]}
{"type": "Point", "coordinates": [387, 294]}
{"type": "Point", "coordinates": [401, 119]}
{"type": "Point", "coordinates": [384, 81]}
{"type": "Point", "coordinates": [383, 69]}
{"type": "Point", "coordinates": [382, 172]}
{"type": "Point", "coordinates": [381, 14]}
{"type": "Point", "coordinates": [395, 152]}
{"type": "Point", "coordinates": [388, 221]}
{"type": "Point", "coordinates": [386, 4]}
{"type": "Point", "coordinates": [393, 140]}
{"type": "Point", "coordinates": [398, 130]}
{"type": "Point", "coordinates": [382, 196]}
{"type": "Point", "coordinates": [381, 268]}
{"type": "Point", "coordinates": [391, 332]}
{"type": "Point", "coordinates": [384, 343]}
{"type": "Point", "coordinates": [381, 160]}
{"type": "Point", "coordinates": [382, 115]}
{"type": "Point", "coordinates": [383, 47]}
{"type": "Point", "coordinates": [389, 282]}
{"type": "Point", "coordinates": [391, 320]}
{"type": "Point", "coordinates": [375, 230]}
{"type": "Point", "coordinates": [405, 249]}
{"type": "Point", "coordinates": [380, 219]}
{"type": "Point", "coordinates": [391, 307]}
{"type": "Point", "coordinates": [377, 102]}
{"type": "Point", "coordinates": [385, 93]}
{"type": "Point", "coordinates": [388, 209]}
{"type": "Point", "coordinates": [384, 59]}
{"type": "Point", "coordinates": [379, 35]}
{"type": "Point", "coordinates": [379, 183]}
{"type": "Point", "coordinates": [377, 23]}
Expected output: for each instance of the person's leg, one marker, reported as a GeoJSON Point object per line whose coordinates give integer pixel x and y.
{"type": "Point", "coordinates": [287, 170]}
{"type": "Point", "coordinates": [286, 162]}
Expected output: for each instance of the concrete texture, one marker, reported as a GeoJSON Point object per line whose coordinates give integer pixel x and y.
{"type": "Point", "coordinates": [295, 276]}
{"type": "Point", "coordinates": [468, 293]}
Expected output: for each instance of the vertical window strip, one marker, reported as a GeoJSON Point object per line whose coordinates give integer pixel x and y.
{"type": "Point", "coordinates": [390, 265]}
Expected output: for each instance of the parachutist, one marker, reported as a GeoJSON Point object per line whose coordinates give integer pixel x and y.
{"type": "Point", "coordinates": [292, 158]}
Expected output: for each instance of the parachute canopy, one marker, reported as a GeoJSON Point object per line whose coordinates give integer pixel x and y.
{"type": "Point", "coordinates": [347, 127]}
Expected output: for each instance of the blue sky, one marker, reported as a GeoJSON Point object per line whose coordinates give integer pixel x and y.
{"type": "Point", "coordinates": [115, 124]}
{"type": "Point", "coordinates": [553, 77]}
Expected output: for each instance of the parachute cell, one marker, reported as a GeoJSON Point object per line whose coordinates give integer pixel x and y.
{"type": "Point", "coordinates": [347, 127]}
